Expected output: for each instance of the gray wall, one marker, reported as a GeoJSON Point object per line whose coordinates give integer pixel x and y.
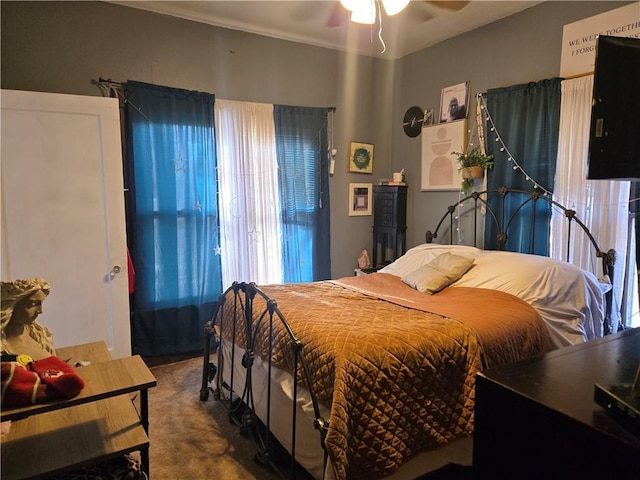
{"type": "Point", "coordinates": [522, 48]}
{"type": "Point", "coordinates": [63, 46]}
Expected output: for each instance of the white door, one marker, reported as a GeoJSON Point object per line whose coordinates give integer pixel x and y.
{"type": "Point", "coordinates": [63, 212]}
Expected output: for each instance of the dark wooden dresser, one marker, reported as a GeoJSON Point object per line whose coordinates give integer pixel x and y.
{"type": "Point", "coordinates": [389, 223]}
{"type": "Point", "coordinates": [537, 419]}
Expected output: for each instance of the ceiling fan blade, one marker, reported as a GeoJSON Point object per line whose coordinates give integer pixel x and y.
{"type": "Point", "coordinates": [337, 16]}
{"type": "Point", "coordinates": [420, 12]}
{"type": "Point", "coordinates": [308, 11]}
{"type": "Point", "coordinates": [451, 5]}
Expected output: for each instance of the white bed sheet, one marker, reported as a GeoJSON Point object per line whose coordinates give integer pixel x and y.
{"type": "Point", "coordinates": [568, 299]}
{"type": "Point", "coordinates": [309, 452]}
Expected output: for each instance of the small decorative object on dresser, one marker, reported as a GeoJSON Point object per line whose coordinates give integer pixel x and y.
{"type": "Point", "coordinates": [364, 264]}
{"type": "Point", "coordinates": [363, 259]}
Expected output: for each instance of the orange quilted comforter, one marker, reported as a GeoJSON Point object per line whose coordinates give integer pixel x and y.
{"type": "Point", "coordinates": [397, 367]}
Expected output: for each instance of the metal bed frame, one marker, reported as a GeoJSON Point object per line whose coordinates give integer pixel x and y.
{"type": "Point", "coordinates": [502, 220]}
{"type": "Point", "coordinates": [241, 408]}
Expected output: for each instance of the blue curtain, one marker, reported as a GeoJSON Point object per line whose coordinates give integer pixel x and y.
{"type": "Point", "coordinates": [303, 169]}
{"type": "Point", "coordinates": [527, 119]}
{"type": "Point", "coordinates": [174, 226]}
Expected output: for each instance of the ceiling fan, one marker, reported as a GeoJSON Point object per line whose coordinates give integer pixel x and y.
{"type": "Point", "coordinates": [366, 11]}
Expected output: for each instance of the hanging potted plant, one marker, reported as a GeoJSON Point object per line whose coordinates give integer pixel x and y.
{"type": "Point", "coordinates": [472, 165]}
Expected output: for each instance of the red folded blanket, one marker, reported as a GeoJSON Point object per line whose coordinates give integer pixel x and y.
{"type": "Point", "coordinates": [38, 381]}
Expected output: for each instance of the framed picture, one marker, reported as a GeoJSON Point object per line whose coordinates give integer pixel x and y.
{"type": "Point", "coordinates": [360, 199]}
{"type": "Point", "coordinates": [361, 158]}
{"type": "Point", "coordinates": [454, 102]}
{"type": "Point", "coordinates": [428, 117]}
{"type": "Point", "coordinates": [439, 164]}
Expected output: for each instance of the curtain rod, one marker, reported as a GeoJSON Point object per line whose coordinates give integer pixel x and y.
{"type": "Point", "coordinates": [110, 88]}
{"type": "Point", "coordinates": [102, 82]}
{"type": "Point", "coordinates": [579, 75]}
{"type": "Point", "coordinates": [108, 80]}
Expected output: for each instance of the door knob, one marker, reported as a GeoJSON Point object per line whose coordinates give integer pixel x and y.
{"type": "Point", "coordinates": [115, 270]}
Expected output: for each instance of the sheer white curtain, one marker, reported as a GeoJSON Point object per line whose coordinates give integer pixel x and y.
{"type": "Point", "coordinates": [602, 205]}
{"type": "Point", "coordinates": [249, 203]}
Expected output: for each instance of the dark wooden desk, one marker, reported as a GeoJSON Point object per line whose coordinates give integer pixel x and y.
{"type": "Point", "coordinates": [99, 424]}
{"type": "Point", "coordinates": [537, 419]}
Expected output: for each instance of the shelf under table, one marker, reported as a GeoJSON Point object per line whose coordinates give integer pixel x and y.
{"type": "Point", "coordinates": [64, 440]}
{"type": "Point", "coordinates": [99, 424]}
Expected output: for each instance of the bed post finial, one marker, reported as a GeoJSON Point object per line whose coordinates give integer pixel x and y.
{"type": "Point", "coordinates": [610, 257]}
{"type": "Point", "coordinates": [608, 261]}
{"type": "Point", "coordinates": [272, 305]}
{"type": "Point", "coordinates": [322, 426]}
{"type": "Point", "coordinates": [428, 237]}
{"type": "Point", "coordinates": [502, 240]}
{"type": "Point", "coordinates": [535, 195]}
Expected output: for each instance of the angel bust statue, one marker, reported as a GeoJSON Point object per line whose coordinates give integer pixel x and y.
{"type": "Point", "coordinates": [21, 305]}
{"type": "Point", "coordinates": [30, 370]}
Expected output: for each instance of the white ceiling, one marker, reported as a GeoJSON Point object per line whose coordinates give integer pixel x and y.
{"type": "Point", "coordinates": [326, 23]}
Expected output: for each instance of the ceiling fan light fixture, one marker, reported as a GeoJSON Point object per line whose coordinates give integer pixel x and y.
{"type": "Point", "coordinates": [351, 5]}
{"type": "Point", "coordinates": [364, 11]}
{"type": "Point", "coordinates": [394, 6]}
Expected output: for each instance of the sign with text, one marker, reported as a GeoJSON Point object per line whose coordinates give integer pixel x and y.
{"type": "Point", "coordinates": [579, 38]}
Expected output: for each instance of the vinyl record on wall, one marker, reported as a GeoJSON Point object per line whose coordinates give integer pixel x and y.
{"type": "Point", "coordinates": [413, 120]}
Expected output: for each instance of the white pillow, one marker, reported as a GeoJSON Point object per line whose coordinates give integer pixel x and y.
{"type": "Point", "coordinates": [439, 273]}
{"type": "Point", "coordinates": [423, 254]}
{"type": "Point", "coordinates": [567, 298]}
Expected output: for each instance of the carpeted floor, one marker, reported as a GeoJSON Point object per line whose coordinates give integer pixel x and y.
{"type": "Point", "coordinates": [194, 439]}
{"type": "Point", "coordinates": [191, 439]}
{"type": "Point", "coordinates": [450, 471]}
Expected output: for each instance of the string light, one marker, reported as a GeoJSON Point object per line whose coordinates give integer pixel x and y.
{"type": "Point", "coordinates": [503, 147]}
{"type": "Point", "coordinates": [460, 231]}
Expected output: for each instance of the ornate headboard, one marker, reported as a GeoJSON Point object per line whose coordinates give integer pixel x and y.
{"type": "Point", "coordinates": [482, 209]}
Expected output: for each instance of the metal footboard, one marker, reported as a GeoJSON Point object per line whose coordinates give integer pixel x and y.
{"type": "Point", "coordinates": [238, 317]}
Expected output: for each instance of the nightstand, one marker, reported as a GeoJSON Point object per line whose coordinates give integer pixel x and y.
{"type": "Point", "coordinates": [364, 271]}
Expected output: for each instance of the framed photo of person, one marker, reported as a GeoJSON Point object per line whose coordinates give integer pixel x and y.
{"type": "Point", "coordinates": [428, 117]}
{"type": "Point", "coordinates": [439, 166]}
{"type": "Point", "coordinates": [361, 157]}
{"type": "Point", "coordinates": [454, 102]}
{"type": "Point", "coordinates": [360, 195]}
